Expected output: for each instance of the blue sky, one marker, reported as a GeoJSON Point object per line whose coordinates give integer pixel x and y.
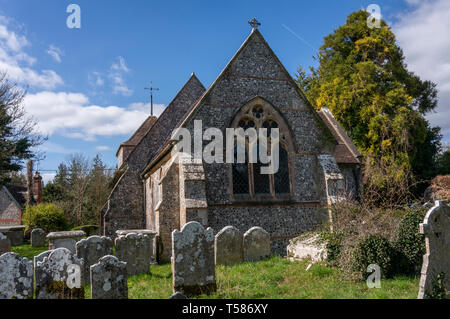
{"type": "Point", "coordinates": [86, 86]}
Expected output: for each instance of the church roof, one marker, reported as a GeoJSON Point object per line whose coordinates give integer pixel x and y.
{"type": "Point", "coordinates": [140, 133]}
{"type": "Point", "coordinates": [345, 152]}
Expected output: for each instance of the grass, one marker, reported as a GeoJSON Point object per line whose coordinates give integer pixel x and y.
{"type": "Point", "coordinates": [275, 278]}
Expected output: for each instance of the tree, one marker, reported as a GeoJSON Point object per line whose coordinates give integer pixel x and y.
{"type": "Point", "coordinates": [17, 130]}
{"type": "Point", "coordinates": [363, 79]}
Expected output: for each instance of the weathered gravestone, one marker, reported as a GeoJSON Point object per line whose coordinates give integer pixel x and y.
{"type": "Point", "coordinates": [14, 233]}
{"type": "Point", "coordinates": [228, 246]}
{"type": "Point", "coordinates": [16, 277]}
{"type": "Point", "coordinates": [136, 251]}
{"type": "Point", "coordinates": [91, 250]}
{"type": "Point", "coordinates": [65, 239]}
{"type": "Point", "coordinates": [36, 259]}
{"type": "Point", "coordinates": [256, 244]}
{"type": "Point", "coordinates": [37, 237]}
{"type": "Point", "coordinates": [109, 279]}
{"type": "Point", "coordinates": [178, 295]}
{"type": "Point", "coordinates": [59, 276]}
{"type": "Point", "coordinates": [193, 260]}
{"type": "Point", "coordinates": [5, 244]}
{"type": "Point", "coordinates": [436, 262]}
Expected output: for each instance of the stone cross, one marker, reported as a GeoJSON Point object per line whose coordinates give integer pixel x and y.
{"type": "Point", "coordinates": [436, 261]}
{"type": "Point", "coordinates": [109, 279]}
{"type": "Point", "coordinates": [193, 260]}
{"type": "Point", "coordinates": [254, 23]}
{"type": "Point", "coordinates": [16, 277]}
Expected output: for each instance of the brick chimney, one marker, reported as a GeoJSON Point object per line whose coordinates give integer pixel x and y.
{"type": "Point", "coordinates": [37, 188]}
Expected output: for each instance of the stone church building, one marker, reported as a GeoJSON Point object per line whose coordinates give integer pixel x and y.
{"type": "Point", "coordinates": [161, 190]}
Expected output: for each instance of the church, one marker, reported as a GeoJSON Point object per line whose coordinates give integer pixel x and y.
{"type": "Point", "coordinates": [162, 190]}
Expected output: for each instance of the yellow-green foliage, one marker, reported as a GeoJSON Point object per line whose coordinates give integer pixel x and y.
{"type": "Point", "coordinates": [49, 217]}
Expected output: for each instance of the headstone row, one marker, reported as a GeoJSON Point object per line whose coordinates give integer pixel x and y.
{"type": "Point", "coordinates": [231, 247]}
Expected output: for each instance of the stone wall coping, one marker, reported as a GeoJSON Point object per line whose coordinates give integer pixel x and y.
{"type": "Point", "coordinates": [66, 234]}
{"type": "Point", "coordinates": [123, 232]}
{"type": "Point", "coordinates": [11, 228]}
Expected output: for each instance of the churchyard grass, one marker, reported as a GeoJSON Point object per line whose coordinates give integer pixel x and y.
{"type": "Point", "coordinates": [27, 251]}
{"type": "Point", "coordinates": [275, 278]}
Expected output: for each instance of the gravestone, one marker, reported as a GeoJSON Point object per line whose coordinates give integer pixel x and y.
{"type": "Point", "coordinates": [65, 239]}
{"type": "Point", "coordinates": [91, 250]}
{"type": "Point", "coordinates": [178, 295]}
{"type": "Point", "coordinates": [14, 233]}
{"type": "Point", "coordinates": [109, 279]}
{"type": "Point", "coordinates": [256, 244]}
{"type": "Point", "coordinates": [37, 258]}
{"type": "Point", "coordinates": [16, 277]}
{"type": "Point", "coordinates": [193, 260]}
{"type": "Point", "coordinates": [37, 237]}
{"type": "Point", "coordinates": [136, 251]}
{"type": "Point", "coordinates": [228, 246]}
{"type": "Point", "coordinates": [5, 244]}
{"type": "Point", "coordinates": [436, 262]}
{"type": "Point", "coordinates": [59, 276]}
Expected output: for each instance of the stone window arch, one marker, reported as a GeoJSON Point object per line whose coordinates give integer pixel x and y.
{"type": "Point", "coordinates": [247, 183]}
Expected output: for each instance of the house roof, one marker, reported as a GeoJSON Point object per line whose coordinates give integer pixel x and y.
{"type": "Point", "coordinates": [11, 196]}
{"type": "Point", "coordinates": [140, 133]}
{"type": "Point", "coordinates": [346, 151]}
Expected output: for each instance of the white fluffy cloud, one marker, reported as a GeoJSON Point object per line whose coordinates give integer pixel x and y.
{"type": "Point", "coordinates": [423, 34]}
{"type": "Point", "coordinates": [17, 63]}
{"type": "Point", "coordinates": [72, 115]}
{"type": "Point", "coordinates": [116, 74]}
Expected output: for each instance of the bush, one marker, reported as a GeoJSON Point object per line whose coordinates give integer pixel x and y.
{"type": "Point", "coordinates": [88, 229]}
{"type": "Point", "coordinates": [373, 249]}
{"type": "Point", "coordinates": [46, 216]}
{"type": "Point", "coordinates": [409, 243]}
{"type": "Point", "coordinates": [333, 247]}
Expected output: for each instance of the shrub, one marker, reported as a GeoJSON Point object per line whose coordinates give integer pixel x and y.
{"type": "Point", "coordinates": [409, 243]}
{"type": "Point", "coordinates": [373, 249]}
{"type": "Point", "coordinates": [333, 247]}
{"type": "Point", "coordinates": [46, 216]}
{"type": "Point", "coordinates": [88, 229]}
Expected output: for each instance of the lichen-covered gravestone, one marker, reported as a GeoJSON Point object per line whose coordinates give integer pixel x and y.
{"type": "Point", "coordinates": [37, 237]}
{"type": "Point", "coordinates": [36, 259]}
{"type": "Point", "coordinates": [193, 260]}
{"type": "Point", "coordinates": [59, 276]}
{"type": "Point", "coordinates": [228, 246]}
{"type": "Point", "coordinates": [436, 262]}
{"type": "Point", "coordinates": [5, 244]}
{"type": "Point", "coordinates": [256, 244]}
{"type": "Point", "coordinates": [136, 251]}
{"type": "Point", "coordinates": [16, 277]}
{"type": "Point", "coordinates": [91, 250]}
{"type": "Point", "coordinates": [109, 279]}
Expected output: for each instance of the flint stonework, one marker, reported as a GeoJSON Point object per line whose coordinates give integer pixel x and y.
{"type": "Point", "coordinates": [91, 250]}
{"type": "Point", "coordinates": [436, 262]}
{"type": "Point", "coordinates": [37, 237]}
{"type": "Point", "coordinates": [256, 244]}
{"type": "Point", "coordinates": [228, 246]}
{"type": "Point", "coordinates": [193, 260]}
{"type": "Point", "coordinates": [136, 251]}
{"type": "Point", "coordinates": [5, 244]}
{"type": "Point", "coordinates": [53, 273]}
{"type": "Point", "coordinates": [65, 239]}
{"type": "Point", "coordinates": [109, 279]}
{"type": "Point", "coordinates": [16, 277]}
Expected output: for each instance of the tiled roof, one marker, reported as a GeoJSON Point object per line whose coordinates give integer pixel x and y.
{"type": "Point", "coordinates": [345, 152]}
{"type": "Point", "coordinates": [140, 132]}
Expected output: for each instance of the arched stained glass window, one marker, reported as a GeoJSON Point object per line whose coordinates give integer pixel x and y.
{"type": "Point", "coordinates": [240, 175]}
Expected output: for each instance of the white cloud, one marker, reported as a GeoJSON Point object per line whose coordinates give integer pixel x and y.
{"type": "Point", "coordinates": [50, 147]}
{"type": "Point", "coordinates": [423, 34]}
{"type": "Point", "coordinates": [17, 63]}
{"type": "Point", "coordinates": [145, 107]}
{"type": "Point", "coordinates": [117, 71]}
{"type": "Point", "coordinates": [55, 53]}
{"type": "Point", "coordinates": [102, 148]}
{"type": "Point", "coordinates": [48, 177]}
{"type": "Point", "coordinates": [72, 115]}
{"type": "Point", "coordinates": [96, 79]}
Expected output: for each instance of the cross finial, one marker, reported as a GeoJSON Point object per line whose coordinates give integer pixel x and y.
{"type": "Point", "coordinates": [254, 23]}
{"type": "Point", "coordinates": [151, 89]}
